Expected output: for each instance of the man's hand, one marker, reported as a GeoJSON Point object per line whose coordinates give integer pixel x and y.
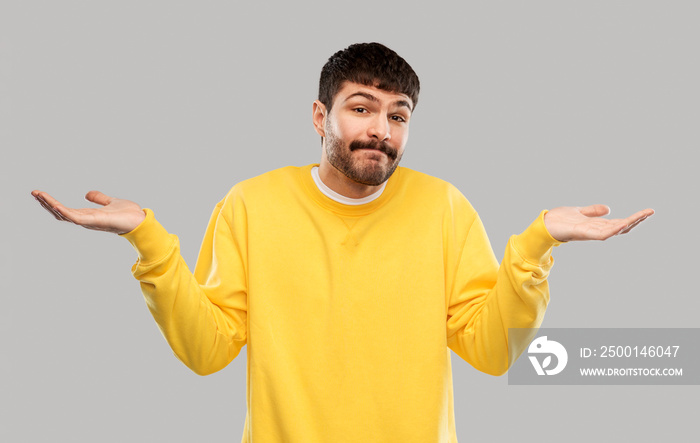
{"type": "Point", "coordinates": [115, 215]}
{"type": "Point", "coordinates": [573, 223]}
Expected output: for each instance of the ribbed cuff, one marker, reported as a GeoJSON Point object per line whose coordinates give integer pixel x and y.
{"type": "Point", "coordinates": [535, 243]}
{"type": "Point", "coordinates": [150, 239]}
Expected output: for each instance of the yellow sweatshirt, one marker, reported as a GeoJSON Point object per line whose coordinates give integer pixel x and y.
{"type": "Point", "coordinates": [349, 312]}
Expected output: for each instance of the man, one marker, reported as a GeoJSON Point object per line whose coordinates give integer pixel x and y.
{"type": "Point", "coordinates": [349, 280]}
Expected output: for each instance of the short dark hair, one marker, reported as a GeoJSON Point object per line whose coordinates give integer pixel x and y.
{"type": "Point", "coordinates": [370, 64]}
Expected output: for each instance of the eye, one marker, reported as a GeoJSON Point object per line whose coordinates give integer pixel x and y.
{"type": "Point", "coordinates": [359, 110]}
{"type": "Point", "coordinates": [398, 118]}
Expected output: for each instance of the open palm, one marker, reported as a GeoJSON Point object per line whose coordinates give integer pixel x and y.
{"type": "Point", "coordinates": [116, 215]}
{"type": "Point", "coordinates": [568, 223]}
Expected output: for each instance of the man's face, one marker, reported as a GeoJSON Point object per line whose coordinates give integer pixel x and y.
{"type": "Point", "coordinates": [366, 132]}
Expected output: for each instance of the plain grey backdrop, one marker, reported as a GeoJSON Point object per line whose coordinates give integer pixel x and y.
{"type": "Point", "coordinates": [524, 106]}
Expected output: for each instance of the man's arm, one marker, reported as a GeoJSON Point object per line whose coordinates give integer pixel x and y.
{"type": "Point", "coordinates": [487, 300]}
{"type": "Point", "coordinates": [202, 316]}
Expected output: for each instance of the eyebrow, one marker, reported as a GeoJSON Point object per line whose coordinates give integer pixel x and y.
{"type": "Point", "coordinates": [372, 98]}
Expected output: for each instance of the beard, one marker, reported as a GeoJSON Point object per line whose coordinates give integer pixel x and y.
{"type": "Point", "coordinates": [361, 171]}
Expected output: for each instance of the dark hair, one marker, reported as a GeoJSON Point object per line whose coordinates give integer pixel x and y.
{"type": "Point", "coordinates": [370, 64]}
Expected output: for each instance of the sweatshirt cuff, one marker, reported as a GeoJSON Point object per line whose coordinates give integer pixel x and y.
{"type": "Point", "coordinates": [150, 239]}
{"type": "Point", "coordinates": [535, 243]}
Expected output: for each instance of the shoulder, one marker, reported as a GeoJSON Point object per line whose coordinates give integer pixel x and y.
{"type": "Point", "coordinates": [267, 181]}
{"type": "Point", "coordinates": [267, 188]}
{"type": "Point", "coordinates": [432, 190]}
{"type": "Point", "coordinates": [275, 177]}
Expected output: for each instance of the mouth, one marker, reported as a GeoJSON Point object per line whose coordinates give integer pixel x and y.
{"type": "Point", "coordinates": [373, 154]}
{"type": "Point", "coordinates": [371, 150]}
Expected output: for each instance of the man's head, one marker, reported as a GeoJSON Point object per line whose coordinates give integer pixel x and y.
{"type": "Point", "coordinates": [371, 92]}
{"type": "Point", "coordinates": [369, 64]}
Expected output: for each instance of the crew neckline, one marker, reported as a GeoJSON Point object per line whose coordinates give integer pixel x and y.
{"type": "Point", "coordinates": [328, 203]}
{"type": "Point", "coordinates": [328, 192]}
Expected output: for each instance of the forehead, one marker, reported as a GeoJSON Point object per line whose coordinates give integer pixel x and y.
{"type": "Point", "coordinates": [350, 90]}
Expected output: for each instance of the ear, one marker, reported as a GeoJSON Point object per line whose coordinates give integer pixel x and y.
{"type": "Point", "coordinates": [319, 117]}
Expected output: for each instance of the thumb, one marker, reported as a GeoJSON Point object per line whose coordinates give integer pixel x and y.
{"type": "Point", "coordinates": [595, 210]}
{"type": "Point", "coordinates": [98, 197]}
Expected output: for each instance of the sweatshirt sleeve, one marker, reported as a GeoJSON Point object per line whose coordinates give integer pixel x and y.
{"type": "Point", "coordinates": [486, 300]}
{"type": "Point", "coordinates": [203, 316]}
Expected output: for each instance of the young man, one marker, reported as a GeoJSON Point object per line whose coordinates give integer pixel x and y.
{"type": "Point", "coordinates": [350, 280]}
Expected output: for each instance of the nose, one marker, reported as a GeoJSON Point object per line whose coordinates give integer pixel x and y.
{"type": "Point", "coordinates": [379, 128]}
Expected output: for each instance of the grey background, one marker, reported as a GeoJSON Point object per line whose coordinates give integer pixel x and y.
{"type": "Point", "coordinates": [524, 106]}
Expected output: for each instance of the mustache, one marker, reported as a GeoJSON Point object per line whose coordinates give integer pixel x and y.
{"type": "Point", "coordinates": [376, 145]}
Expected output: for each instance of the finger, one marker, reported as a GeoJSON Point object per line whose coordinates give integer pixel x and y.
{"type": "Point", "coordinates": [57, 209]}
{"type": "Point", "coordinates": [70, 215]}
{"type": "Point", "coordinates": [98, 197]}
{"type": "Point", "coordinates": [631, 226]}
{"type": "Point", "coordinates": [612, 230]}
{"type": "Point", "coordinates": [639, 215]}
{"type": "Point", "coordinates": [48, 208]}
{"type": "Point", "coordinates": [61, 214]}
{"type": "Point", "coordinates": [50, 204]}
{"type": "Point", "coordinates": [47, 198]}
{"type": "Point", "coordinates": [595, 210]}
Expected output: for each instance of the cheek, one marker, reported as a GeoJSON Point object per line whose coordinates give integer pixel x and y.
{"type": "Point", "coordinates": [400, 137]}
{"type": "Point", "coordinates": [340, 130]}
{"type": "Point", "coordinates": [350, 131]}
